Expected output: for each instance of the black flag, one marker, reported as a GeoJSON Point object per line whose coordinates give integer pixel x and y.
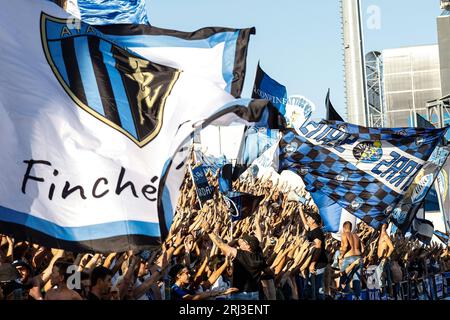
{"type": "Point", "coordinates": [241, 204]}
{"type": "Point", "coordinates": [332, 114]}
{"type": "Point", "coordinates": [423, 123]}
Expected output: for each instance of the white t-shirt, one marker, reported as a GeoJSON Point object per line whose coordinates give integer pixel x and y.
{"type": "Point", "coordinates": [220, 284]}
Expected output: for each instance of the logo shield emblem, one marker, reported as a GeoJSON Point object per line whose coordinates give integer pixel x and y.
{"type": "Point", "coordinates": [116, 86]}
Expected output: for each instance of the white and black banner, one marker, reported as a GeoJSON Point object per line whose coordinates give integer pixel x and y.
{"type": "Point", "coordinates": [88, 131]}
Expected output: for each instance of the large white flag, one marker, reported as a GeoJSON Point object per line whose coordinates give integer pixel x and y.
{"type": "Point", "coordinates": [87, 127]}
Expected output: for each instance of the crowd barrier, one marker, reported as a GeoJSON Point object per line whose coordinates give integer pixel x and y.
{"type": "Point", "coordinates": [432, 287]}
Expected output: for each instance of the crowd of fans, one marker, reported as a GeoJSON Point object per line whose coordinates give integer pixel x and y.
{"type": "Point", "coordinates": [278, 253]}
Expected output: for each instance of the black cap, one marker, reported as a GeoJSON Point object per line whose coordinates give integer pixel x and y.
{"type": "Point", "coordinates": [20, 263]}
{"type": "Point", "coordinates": [252, 241]}
{"type": "Point", "coordinates": [8, 273]}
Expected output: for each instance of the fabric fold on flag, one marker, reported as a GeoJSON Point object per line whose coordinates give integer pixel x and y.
{"type": "Point", "coordinates": [101, 12]}
{"type": "Point", "coordinates": [267, 88]}
{"type": "Point", "coordinates": [216, 53]}
{"type": "Point", "coordinates": [422, 230]}
{"type": "Point", "coordinates": [405, 211]}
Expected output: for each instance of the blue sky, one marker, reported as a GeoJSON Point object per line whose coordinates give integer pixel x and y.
{"type": "Point", "coordinates": [299, 41]}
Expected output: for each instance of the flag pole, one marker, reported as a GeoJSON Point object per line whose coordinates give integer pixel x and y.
{"type": "Point", "coordinates": [231, 228]}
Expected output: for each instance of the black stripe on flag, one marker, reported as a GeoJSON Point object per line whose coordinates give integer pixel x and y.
{"type": "Point", "coordinates": [73, 71]}
{"type": "Point", "coordinates": [103, 81]}
{"type": "Point", "coordinates": [120, 243]}
{"type": "Point", "coordinates": [131, 89]}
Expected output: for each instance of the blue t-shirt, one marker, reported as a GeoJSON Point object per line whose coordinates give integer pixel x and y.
{"type": "Point", "coordinates": [177, 293]}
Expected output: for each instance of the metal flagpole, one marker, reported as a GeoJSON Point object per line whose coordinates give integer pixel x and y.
{"type": "Point", "coordinates": [220, 141]}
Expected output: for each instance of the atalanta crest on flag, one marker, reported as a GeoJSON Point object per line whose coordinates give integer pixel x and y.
{"type": "Point", "coordinates": [116, 86]}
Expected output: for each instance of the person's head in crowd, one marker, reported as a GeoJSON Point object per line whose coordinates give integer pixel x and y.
{"type": "Point", "coordinates": [274, 208]}
{"type": "Point", "coordinates": [228, 274]}
{"type": "Point", "coordinates": [128, 294]}
{"type": "Point", "coordinates": [142, 270]}
{"type": "Point", "coordinates": [101, 281]}
{"type": "Point", "coordinates": [8, 277]}
{"type": "Point", "coordinates": [85, 281]}
{"type": "Point", "coordinates": [60, 274]}
{"type": "Point", "coordinates": [180, 275]}
{"type": "Point", "coordinates": [24, 269]}
{"type": "Point", "coordinates": [347, 227]}
{"type": "Point", "coordinates": [249, 243]}
{"type": "Point", "coordinates": [313, 219]}
{"type": "Point", "coordinates": [114, 293]}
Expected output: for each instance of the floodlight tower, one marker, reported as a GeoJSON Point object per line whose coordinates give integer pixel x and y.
{"type": "Point", "coordinates": [354, 62]}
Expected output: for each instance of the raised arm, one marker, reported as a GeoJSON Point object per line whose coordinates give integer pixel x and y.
{"type": "Point", "coordinates": [109, 259]}
{"type": "Point", "coordinates": [216, 274]}
{"type": "Point", "coordinates": [44, 277]}
{"type": "Point", "coordinates": [390, 246]}
{"type": "Point", "coordinates": [343, 248]}
{"type": "Point", "coordinates": [9, 253]}
{"type": "Point", "coordinates": [92, 263]}
{"type": "Point", "coordinates": [225, 248]}
{"type": "Point", "coordinates": [316, 255]}
{"type": "Point", "coordinates": [258, 231]}
{"type": "Point", "coordinates": [147, 284]}
{"type": "Point", "coordinates": [302, 216]}
{"type": "Point", "coordinates": [127, 278]}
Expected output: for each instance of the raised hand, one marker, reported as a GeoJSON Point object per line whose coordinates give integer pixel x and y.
{"type": "Point", "coordinates": [188, 243]}
{"type": "Point", "coordinates": [179, 238]}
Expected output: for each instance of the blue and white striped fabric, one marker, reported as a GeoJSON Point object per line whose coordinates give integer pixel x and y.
{"type": "Point", "coordinates": [101, 12]}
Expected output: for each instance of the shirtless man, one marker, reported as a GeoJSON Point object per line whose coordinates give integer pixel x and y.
{"type": "Point", "coordinates": [385, 246]}
{"type": "Point", "coordinates": [58, 279]}
{"type": "Point", "coordinates": [384, 251]}
{"type": "Point", "coordinates": [350, 243]}
{"type": "Point", "coordinates": [350, 253]}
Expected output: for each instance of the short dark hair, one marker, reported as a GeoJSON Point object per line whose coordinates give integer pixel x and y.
{"type": "Point", "coordinates": [348, 224]}
{"type": "Point", "coordinates": [99, 272]}
{"type": "Point", "coordinates": [85, 276]}
{"type": "Point", "coordinates": [62, 268]}
{"type": "Point", "coordinates": [315, 216]}
{"type": "Point", "coordinates": [175, 270]}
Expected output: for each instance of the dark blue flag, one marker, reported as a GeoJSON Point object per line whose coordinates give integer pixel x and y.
{"type": "Point", "coordinates": [226, 178]}
{"type": "Point", "coordinates": [204, 191]}
{"type": "Point", "coordinates": [267, 88]}
{"type": "Point", "coordinates": [332, 114]}
{"type": "Point", "coordinates": [423, 123]}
